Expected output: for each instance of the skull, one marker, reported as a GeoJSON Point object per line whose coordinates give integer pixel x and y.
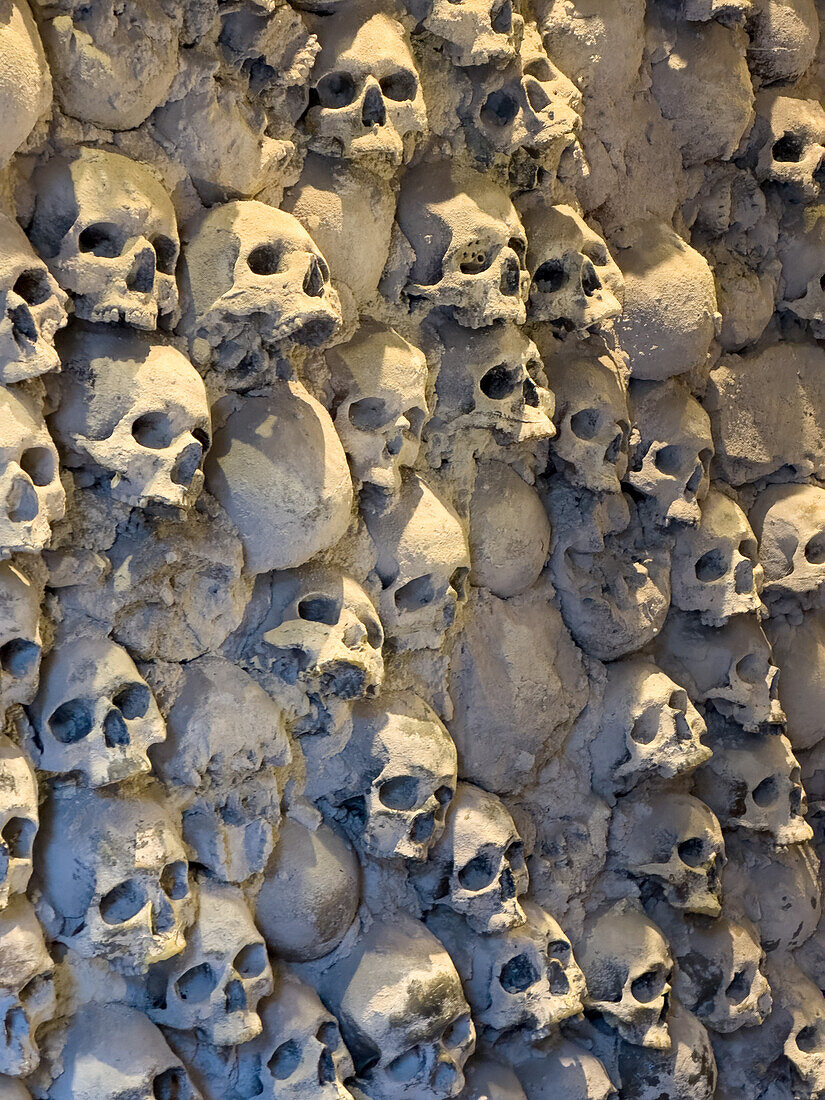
{"type": "Point", "coordinates": [366, 102]}
{"type": "Point", "coordinates": [255, 281]}
{"type": "Point", "coordinates": [111, 1052]}
{"type": "Point", "coordinates": [593, 421]}
{"type": "Point", "coordinates": [649, 728]}
{"type": "Point", "coordinates": [106, 228]}
{"type": "Point", "coordinates": [565, 1071]}
{"type": "Point", "coordinates": [720, 975]}
{"type": "Point", "coordinates": [755, 782]}
{"type": "Point", "coordinates": [27, 997]}
{"type": "Point", "coordinates": [671, 461]}
{"type": "Point", "coordinates": [214, 985]}
{"type": "Point", "coordinates": [684, 1071]}
{"type": "Point", "coordinates": [491, 379]}
{"type": "Point", "coordinates": [627, 964]}
{"type": "Point", "coordinates": [477, 867]}
{"type": "Point", "coordinates": [31, 494]}
{"type": "Point", "coordinates": [788, 141]}
{"type": "Point", "coordinates": [380, 403]}
{"type": "Point", "coordinates": [800, 249]}
{"type": "Point", "coordinates": [475, 32]}
{"type": "Point", "coordinates": [673, 843]}
{"type": "Point", "coordinates": [94, 716]}
{"type": "Point", "coordinates": [523, 978]}
{"type": "Point", "coordinates": [20, 642]}
{"type": "Point", "coordinates": [401, 765]}
{"type": "Point", "coordinates": [575, 284]}
{"type": "Point", "coordinates": [789, 521]}
{"type": "Point", "coordinates": [730, 667]}
{"type": "Point", "coordinates": [715, 569]}
{"type": "Point", "coordinates": [784, 36]}
{"type": "Point", "coordinates": [32, 308]}
{"type": "Point", "coordinates": [18, 820]}
{"type": "Point", "coordinates": [114, 877]}
{"type": "Point", "coordinates": [486, 1079]}
{"type": "Point", "coordinates": [417, 1049]}
{"type": "Point", "coordinates": [797, 1024]}
{"type": "Point", "coordinates": [26, 90]}
{"type": "Point", "coordinates": [136, 411]}
{"type": "Point", "coordinates": [799, 649]}
{"type": "Point", "coordinates": [468, 244]}
{"type": "Point", "coordinates": [423, 564]}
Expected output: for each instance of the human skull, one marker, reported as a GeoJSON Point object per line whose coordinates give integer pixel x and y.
{"type": "Point", "coordinates": [32, 308]}
{"type": "Point", "coordinates": [379, 381]}
{"type": "Point", "coordinates": [254, 281]}
{"type": "Point", "coordinates": [110, 1052]}
{"type": "Point", "coordinates": [475, 32]}
{"type": "Point", "coordinates": [135, 411]}
{"type": "Point", "coordinates": [784, 36]}
{"type": "Point", "coordinates": [486, 1079]}
{"type": "Point", "coordinates": [800, 249]}
{"type": "Point", "coordinates": [477, 867]}
{"type": "Point", "coordinates": [592, 417]}
{"type": "Point", "coordinates": [649, 728]}
{"type": "Point", "coordinates": [18, 820]}
{"type": "Point", "coordinates": [715, 570]}
{"type": "Point", "coordinates": [574, 283]}
{"type": "Point", "coordinates": [107, 230]}
{"type": "Point", "coordinates": [27, 997]}
{"type": "Point", "coordinates": [797, 1027]}
{"type": "Point", "coordinates": [401, 766]}
{"type": "Point", "coordinates": [468, 244]}
{"type": "Point", "coordinates": [521, 979]}
{"type": "Point", "coordinates": [20, 641]}
{"type": "Point", "coordinates": [719, 976]}
{"type": "Point", "coordinates": [26, 89]}
{"type": "Point", "coordinates": [671, 842]}
{"type": "Point", "coordinates": [730, 667]}
{"type": "Point", "coordinates": [214, 985]}
{"type": "Point", "coordinates": [31, 494]}
{"type": "Point", "coordinates": [627, 965]}
{"type": "Point", "coordinates": [671, 460]}
{"type": "Point", "coordinates": [789, 522]}
{"type": "Point", "coordinates": [423, 564]}
{"type": "Point", "coordinates": [416, 1051]}
{"type": "Point", "coordinates": [799, 650]}
{"type": "Point", "coordinates": [565, 1071]}
{"type": "Point", "coordinates": [684, 1071]}
{"type": "Point", "coordinates": [492, 379]}
{"type": "Point", "coordinates": [788, 140]}
{"type": "Point", "coordinates": [755, 782]}
{"type": "Point", "coordinates": [94, 715]}
{"type": "Point", "coordinates": [114, 877]}
{"type": "Point", "coordinates": [366, 102]}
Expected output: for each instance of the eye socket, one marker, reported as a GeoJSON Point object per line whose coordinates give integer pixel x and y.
{"type": "Point", "coordinates": [668, 460]}
{"type": "Point", "coordinates": [132, 700]}
{"type": "Point", "coordinates": [458, 1032]}
{"type": "Point", "coordinates": [18, 836]}
{"type": "Point", "coordinates": [514, 854]}
{"type": "Point", "coordinates": [478, 873]}
{"type": "Point", "coordinates": [369, 414]}
{"type": "Point", "coordinates": [400, 793]}
{"type": "Point", "coordinates": [335, 90]}
{"type": "Point", "coordinates": [692, 851]}
{"type": "Point", "coordinates": [71, 722]}
{"type": "Point", "coordinates": [33, 287]}
{"type": "Point", "coordinates": [648, 986]}
{"type": "Point", "coordinates": [476, 259]}
{"type": "Point", "coordinates": [752, 668]}
{"type": "Point", "coordinates": [407, 1065]}
{"type": "Point", "coordinates": [123, 902]}
{"type": "Point", "coordinates": [415, 594]}
{"type": "Point", "coordinates": [265, 259]}
{"type": "Point", "coordinates": [171, 1085]}
{"type": "Point", "coordinates": [550, 277]}
{"type": "Point", "coordinates": [788, 149]}
{"type": "Point", "coordinates": [38, 463]}
{"type": "Point", "coordinates": [739, 987]}
{"type": "Point", "coordinates": [815, 549]}
{"type": "Point", "coordinates": [399, 86]}
{"type": "Point", "coordinates": [153, 430]}
{"type": "Point", "coordinates": [499, 110]}
{"type": "Point", "coordinates": [539, 69]}
{"type": "Point", "coordinates": [18, 657]}
{"type": "Point", "coordinates": [320, 609]}
{"type": "Point", "coordinates": [518, 974]}
{"type": "Point", "coordinates": [585, 424]}
{"type": "Point", "coordinates": [500, 382]}
{"type": "Point", "coordinates": [712, 566]}
{"type": "Point", "coordinates": [809, 1038]}
{"type": "Point", "coordinates": [197, 983]}
{"type": "Point", "coordinates": [285, 1060]}
{"type": "Point", "coordinates": [166, 252]}
{"type": "Point", "coordinates": [767, 792]}
{"type": "Point", "coordinates": [174, 880]}
{"type": "Point", "coordinates": [329, 1034]}
{"type": "Point", "coordinates": [251, 960]}
{"type": "Point", "coordinates": [103, 239]}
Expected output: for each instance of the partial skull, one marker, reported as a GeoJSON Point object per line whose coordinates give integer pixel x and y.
{"type": "Point", "coordinates": [107, 230]}
{"type": "Point", "coordinates": [19, 818]}
{"type": "Point", "coordinates": [477, 867]}
{"type": "Point", "coordinates": [789, 522]}
{"type": "Point", "coordinates": [20, 641]}
{"type": "Point", "coordinates": [26, 88]}
{"type": "Point", "coordinates": [784, 35]}
{"type": "Point", "coordinates": [788, 142]}
{"type": "Point", "coordinates": [795, 1029]}
{"type": "Point", "coordinates": [565, 1071]}
{"type": "Point", "coordinates": [487, 1079]}
{"type": "Point", "coordinates": [27, 995]}
{"type": "Point", "coordinates": [684, 1071]}
{"type": "Point", "coordinates": [134, 412]}
{"type": "Point", "coordinates": [799, 649]}
{"type": "Point", "coordinates": [476, 32]}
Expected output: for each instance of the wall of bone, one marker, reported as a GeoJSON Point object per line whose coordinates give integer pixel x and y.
{"type": "Point", "coordinates": [412, 483]}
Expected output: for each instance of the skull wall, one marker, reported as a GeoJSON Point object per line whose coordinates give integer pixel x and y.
{"type": "Point", "coordinates": [412, 550]}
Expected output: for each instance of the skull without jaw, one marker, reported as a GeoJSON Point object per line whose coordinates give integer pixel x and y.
{"type": "Point", "coordinates": [476, 32]}
{"type": "Point", "coordinates": [788, 139]}
{"type": "Point", "coordinates": [27, 996]}
{"type": "Point", "coordinates": [789, 521]}
{"type": "Point", "coordinates": [20, 641]}
{"type": "Point", "coordinates": [18, 820]}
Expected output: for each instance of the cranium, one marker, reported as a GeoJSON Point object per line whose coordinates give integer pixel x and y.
{"type": "Point", "coordinates": [401, 775]}
{"type": "Point", "coordinates": [627, 964]}
{"type": "Point", "coordinates": [27, 87]}
{"type": "Point", "coordinates": [799, 649]}
{"type": "Point", "coordinates": [20, 641]}
{"type": "Point", "coordinates": [418, 1049]}
{"type": "Point", "coordinates": [468, 244]}
{"type": "Point", "coordinates": [730, 667]}
{"type": "Point", "coordinates": [796, 1028]}
{"type": "Point", "coordinates": [475, 32]}
{"type": "Point", "coordinates": [649, 728]}
{"type": "Point", "coordinates": [784, 36]}
{"type": "Point", "coordinates": [565, 1071]}
{"type": "Point", "coordinates": [673, 843]}
{"type": "Point", "coordinates": [486, 1079]}
{"type": "Point", "coordinates": [477, 867]}
{"type": "Point", "coordinates": [31, 495]}
{"type": "Point", "coordinates": [715, 570]}
{"type": "Point", "coordinates": [789, 521]}
{"type": "Point", "coordinates": [788, 142]}
{"type": "Point", "coordinates": [214, 985]}
{"type": "Point", "coordinates": [379, 382]}
{"type": "Point", "coordinates": [32, 308]}
{"type": "Point", "coordinates": [423, 563]}
{"type": "Point", "coordinates": [574, 283]}
{"type": "Point", "coordinates": [18, 820]}
{"type": "Point", "coordinates": [27, 997]}
{"type": "Point", "coordinates": [366, 102]}
{"type": "Point", "coordinates": [684, 1071]}
{"type": "Point", "coordinates": [110, 1052]}
{"type": "Point", "coordinates": [255, 282]}
{"type": "Point", "coordinates": [106, 228]}
{"type": "Point", "coordinates": [755, 782]}
{"type": "Point", "coordinates": [94, 715]}
{"type": "Point", "coordinates": [521, 979]}
{"type": "Point", "coordinates": [135, 412]}
{"type": "Point", "coordinates": [114, 877]}
{"type": "Point", "coordinates": [671, 460]}
{"type": "Point", "coordinates": [800, 248]}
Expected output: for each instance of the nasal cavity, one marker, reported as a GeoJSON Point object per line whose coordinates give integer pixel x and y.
{"type": "Point", "coordinates": [314, 283]}
{"type": "Point", "coordinates": [186, 464]}
{"type": "Point", "coordinates": [235, 997]}
{"type": "Point", "coordinates": [142, 276]}
{"type": "Point", "coordinates": [115, 733]}
{"type": "Point", "coordinates": [559, 983]}
{"type": "Point", "coordinates": [22, 323]}
{"type": "Point", "coordinates": [22, 503]}
{"type": "Point", "coordinates": [590, 280]}
{"type": "Point", "coordinates": [373, 111]}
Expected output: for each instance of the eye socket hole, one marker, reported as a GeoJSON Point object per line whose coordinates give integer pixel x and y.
{"type": "Point", "coordinates": [668, 460]}
{"type": "Point", "coordinates": [329, 1034]}
{"type": "Point", "coordinates": [711, 567]}
{"type": "Point", "coordinates": [444, 796]}
{"type": "Point", "coordinates": [153, 430]}
{"type": "Point", "coordinates": [264, 260]}
{"type": "Point", "coordinates": [18, 836]}
{"type": "Point", "coordinates": [335, 90]}
{"type": "Point", "coordinates": [550, 277]}
{"type": "Point", "coordinates": [400, 793]}
{"type": "Point", "coordinates": [132, 700]}
{"type": "Point", "coordinates": [320, 609]}
{"type": "Point", "coordinates": [808, 1038]}
{"type": "Point", "coordinates": [514, 854]}
{"type": "Point", "coordinates": [458, 581]}
{"type": "Point", "coordinates": [692, 851]}
{"type": "Point", "coordinates": [499, 110]}
{"type": "Point", "coordinates": [478, 873]}
{"type": "Point", "coordinates": [519, 246]}
{"type": "Point", "coordinates": [407, 1065]}
{"type": "Point", "coordinates": [647, 987]}
{"type": "Point", "coordinates": [123, 902]}
{"type": "Point", "coordinates": [645, 728]}
{"type": "Point", "coordinates": [33, 287]}
{"type": "Point", "coordinates": [499, 382]}
{"type": "Point", "coordinates": [197, 983]}
{"type": "Point", "coordinates": [585, 424]}
{"type": "Point", "coordinates": [171, 1085]}
{"type": "Point", "coordinates": [38, 463]}
{"type": "Point", "coordinates": [788, 149]}
{"type": "Point", "coordinates": [71, 722]}
{"type": "Point", "coordinates": [767, 792]}
{"type": "Point", "coordinates": [399, 86]}
{"type": "Point", "coordinates": [458, 1032]}
{"type": "Point", "coordinates": [103, 239]}
{"type": "Point", "coordinates": [369, 414]}
{"type": "Point", "coordinates": [166, 251]}
{"type": "Point", "coordinates": [739, 987]}
{"type": "Point", "coordinates": [174, 880]}
{"type": "Point", "coordinates": [415, 594]}
{"type": "Point", "coordinates": [678, 701]}
{"type": "Point", "coordinates": [518, 974]}
{"type": "Point", "coordinates": [18, 657]}
{"type": "Point", "coordinates": [285, 1060]}
{"type": "Point", "coordinates": [752, 668]}
{"type": "Point", "coordinates": [202, 437]}
{"type": "Point", "coordinates": [815, 549]}
{"type": "Point", "coordinates": [251, 960]}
